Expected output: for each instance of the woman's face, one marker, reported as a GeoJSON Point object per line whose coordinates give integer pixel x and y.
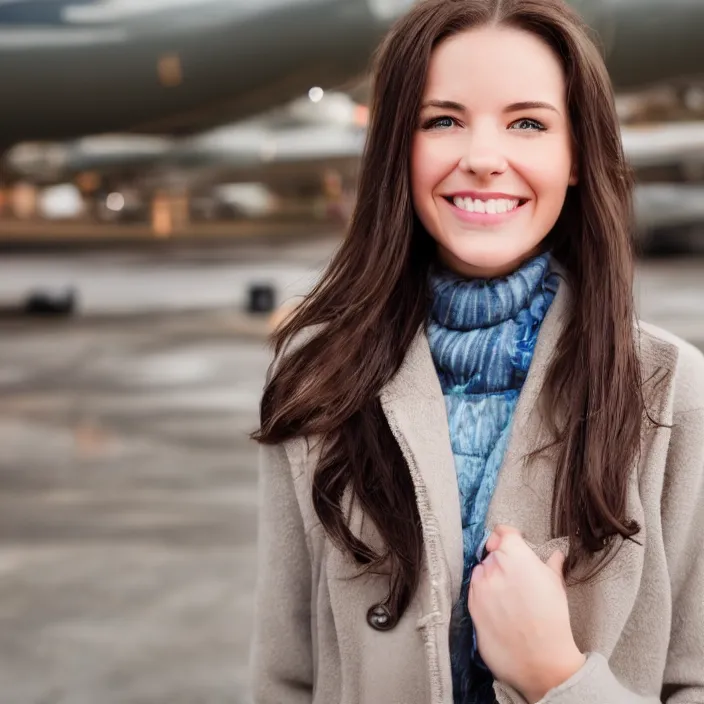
{"type": "Point", "coordinates": [492, 156]}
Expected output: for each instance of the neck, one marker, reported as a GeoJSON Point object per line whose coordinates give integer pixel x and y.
{"type": "Point", "coordinates": [483, 270]}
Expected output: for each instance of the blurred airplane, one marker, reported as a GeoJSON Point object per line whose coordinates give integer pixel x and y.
{"type": "Point", "coordinates": [291, 161]}
{"type": "Point", "coordinates": [127, 156]}
{"type": "Point", "coordinates": [669, 216]}
{"type": "Point", "coordinates": [648, 41]}
{"type": "Point", "coordinates": [664, 144]}
{"type": "Point", "coordinates": [655, 203]}
{"type": "Point", "coordinates": [118, 155]}
{"type": "Point", "coordinates": [77, 67]}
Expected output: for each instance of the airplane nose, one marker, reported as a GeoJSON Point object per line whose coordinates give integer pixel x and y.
{"type": "Point", "coordinates": [387, 11]}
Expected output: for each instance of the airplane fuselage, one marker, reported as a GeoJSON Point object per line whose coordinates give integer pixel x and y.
{"type": "Point", "coordinates": [75, 67]}
{"type": "Point", "coordinates": [648, 41]}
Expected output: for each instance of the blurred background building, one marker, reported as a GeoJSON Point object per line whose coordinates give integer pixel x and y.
{"type": "Point", "coordinates": [170, 172]}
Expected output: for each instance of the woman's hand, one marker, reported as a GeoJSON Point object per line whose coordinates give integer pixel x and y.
{"type": "Point", "coordinates": [520, 612]}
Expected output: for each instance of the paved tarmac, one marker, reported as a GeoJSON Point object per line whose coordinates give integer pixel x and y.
{"type": "Point", "coordinates": [128, 485]}
{"type": "Point", "coordinates": [172, 278]}
{"type": "Point", "coordinates": [127, 511]}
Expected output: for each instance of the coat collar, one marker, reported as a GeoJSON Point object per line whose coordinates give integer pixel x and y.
{"type": "Point", "coordinates": [414, 405]}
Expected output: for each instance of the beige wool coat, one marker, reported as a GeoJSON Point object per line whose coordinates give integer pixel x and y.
{"type": "Point", "coordinates": [641, 621]}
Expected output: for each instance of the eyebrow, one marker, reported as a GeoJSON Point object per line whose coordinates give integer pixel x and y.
{"type": "Point", "coordinates": [445, 105]}
{"type": "Point", "coordinates": [513, 107]}
{"type": "Point", "coordinates": [530, 105]}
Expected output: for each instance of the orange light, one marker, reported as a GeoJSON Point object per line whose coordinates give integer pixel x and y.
{"type": "Point", "coordinates": [361, 116]}
{"type": "Point", "coordinates": [88, 181]}
{"type": "Point", "coordinates": [170, 70]}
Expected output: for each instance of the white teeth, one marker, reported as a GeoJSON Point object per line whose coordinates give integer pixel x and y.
{"type": "Point", "coordinates": [493, 206]}
{"type": "Point", "coordinates": [464, 203]}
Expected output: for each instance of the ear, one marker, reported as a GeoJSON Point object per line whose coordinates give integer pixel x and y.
{"type": "Point", "coordinates": [574, 173]}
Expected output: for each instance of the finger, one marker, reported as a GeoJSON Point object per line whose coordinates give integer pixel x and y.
{"type": "Point", "coordinates": [472, 604]}
{"type": "Point", "coordinates": [471, 596]}
{"type": "Point", "coordinates": [489, 562]}
{"type": "Point", "coordinates": [498, 534]}
{"type": "Point", "coordinates": [556, 562]}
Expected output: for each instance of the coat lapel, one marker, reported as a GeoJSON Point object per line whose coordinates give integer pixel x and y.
{"type": "Point", "coordinates": [415, 407]}
{"type": "Point", "coordinates": [414, 404]}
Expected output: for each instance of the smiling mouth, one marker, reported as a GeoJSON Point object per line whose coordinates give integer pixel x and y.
{"type": "Point", "coordinates": [492, 206]}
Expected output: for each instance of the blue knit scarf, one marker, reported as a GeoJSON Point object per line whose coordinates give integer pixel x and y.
{"type": "Point", "coordinates": [482, 334]}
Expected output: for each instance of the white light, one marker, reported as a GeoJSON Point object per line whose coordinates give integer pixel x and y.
{"type": "Point", "coordinates": [115, 202]}
{"type": "Point", "coordinates": [316, 94]}
{"type": "Point", "coordinates": [60, 202]}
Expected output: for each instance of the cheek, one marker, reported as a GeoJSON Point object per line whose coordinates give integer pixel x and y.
{"type": "Point", "coordinates": [419, 169]}
{"type": "Point", "coordinates": [550, 182]}
{"type": "Point", "coordinates": [554, 176]}
{"type": "Point", "coordinates": [429, 168]}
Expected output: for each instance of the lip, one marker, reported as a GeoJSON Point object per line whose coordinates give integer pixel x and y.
{"type": "Point", "coordinates": [485, 219]}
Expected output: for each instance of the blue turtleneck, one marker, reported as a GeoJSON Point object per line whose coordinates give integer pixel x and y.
{"type": "Point", "coordinates": [482, 334]}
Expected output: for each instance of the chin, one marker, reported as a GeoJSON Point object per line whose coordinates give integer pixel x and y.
{"type": "Point", "coordinates": [488, 263]}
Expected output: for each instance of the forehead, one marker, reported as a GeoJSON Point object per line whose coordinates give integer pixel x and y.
{"type": "Point", "coordinates": [500, 64]}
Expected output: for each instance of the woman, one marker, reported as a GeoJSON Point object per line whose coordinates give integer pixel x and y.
{"type": "Point", "coordinates": [483, 479]}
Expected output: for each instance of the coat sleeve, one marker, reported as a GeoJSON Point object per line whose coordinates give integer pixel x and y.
{"type": "Point", "coordinates": [683, 532]}
{"type": "Point", "coordinates": [281, 659]}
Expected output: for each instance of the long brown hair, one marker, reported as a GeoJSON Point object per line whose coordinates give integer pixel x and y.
{"type": "Point", "coordinates": [374, 296]}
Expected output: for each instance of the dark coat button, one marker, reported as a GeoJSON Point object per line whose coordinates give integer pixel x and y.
{"type": "Point", "coordinates": [379, 618]}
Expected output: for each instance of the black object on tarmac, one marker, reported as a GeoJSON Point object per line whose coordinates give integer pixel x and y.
{"type": "Point", "coordinates": [44, 302]}
{"type": "Point", "coordinates": [261, 299]}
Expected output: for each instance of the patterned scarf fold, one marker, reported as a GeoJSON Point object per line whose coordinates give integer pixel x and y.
{"type": "Point", "coordinates": [482, 335]}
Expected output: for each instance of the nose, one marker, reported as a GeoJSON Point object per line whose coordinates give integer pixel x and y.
{"type": "Point", "coordinates": [483, 156]}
